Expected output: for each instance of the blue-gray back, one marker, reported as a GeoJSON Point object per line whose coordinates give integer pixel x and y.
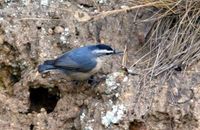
{"type": "Point", "coordinates": [80, 59]}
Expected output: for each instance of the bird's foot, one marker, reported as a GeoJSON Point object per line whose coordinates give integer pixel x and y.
{"type": "Point", "coordinates": [94, 81]}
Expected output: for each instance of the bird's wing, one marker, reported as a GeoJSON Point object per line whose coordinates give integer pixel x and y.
{"type": "Point", "coordinates": [75, 62]}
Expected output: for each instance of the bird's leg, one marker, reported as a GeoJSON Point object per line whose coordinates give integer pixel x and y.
{"type": "Point", "coordinates": [91, 80]}
{"type": "Point", "coordinates": [77, 83]}
{"type": "Point", "coordinates": [94, 81]}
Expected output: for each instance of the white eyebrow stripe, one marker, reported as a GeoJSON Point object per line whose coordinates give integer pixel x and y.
{"type": "Point", "coordinates": [102, 51]}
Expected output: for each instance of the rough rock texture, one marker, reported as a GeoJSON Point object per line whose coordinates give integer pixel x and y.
{"type": "Point", "coordinates": [33, 31]}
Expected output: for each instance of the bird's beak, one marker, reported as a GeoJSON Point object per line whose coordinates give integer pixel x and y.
{"type": "Point", "coordinates": [118, 52]}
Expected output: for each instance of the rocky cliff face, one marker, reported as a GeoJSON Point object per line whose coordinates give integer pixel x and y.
{"type": "Point", "coordinates": [34, 31]}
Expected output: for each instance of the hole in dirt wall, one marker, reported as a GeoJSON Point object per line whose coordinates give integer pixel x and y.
{"type": "Point", "coordinates": [42, 97]}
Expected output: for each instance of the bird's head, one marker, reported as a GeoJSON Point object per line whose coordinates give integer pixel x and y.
{"type": "Point", "coordinates": [103, 50]}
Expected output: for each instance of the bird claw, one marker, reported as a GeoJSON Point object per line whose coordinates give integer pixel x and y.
{"type": "Point", "coordinates": [94, 81]}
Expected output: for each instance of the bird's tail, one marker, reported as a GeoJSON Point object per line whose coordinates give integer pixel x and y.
{"type": "Point", "coordinates": [46, 66]}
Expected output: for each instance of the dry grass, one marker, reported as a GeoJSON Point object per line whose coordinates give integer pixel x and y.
{"type": "Point", "coordinates": [174, 39]}
{"type": "Point", "coordinates": [173, 43]}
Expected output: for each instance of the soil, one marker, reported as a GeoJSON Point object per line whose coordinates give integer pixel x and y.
{"type": "Point", "coordinates": [34, 31]}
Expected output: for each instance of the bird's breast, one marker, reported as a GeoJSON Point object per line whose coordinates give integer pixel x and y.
{"type": "Point", "coordinates": [87, 75]}
{"type": "Point", "coordinates": [98, 66]}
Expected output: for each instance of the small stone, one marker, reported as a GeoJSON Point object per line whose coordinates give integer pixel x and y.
{"type": "Point", "coordinates": [79, 102]}
{"type": "Point", "coordinates": [42, 110]}
{"type": "Point", "coordinates": [82, 16]}
{"type": "Point", "coordinates": [38, 123]}
{"type": "Point", "coordinates": [26, 2]}
{"type": "Point", "coordinates": [50, 31]}
{"type": "Point", "coordinates": [30, 115]}
{"type": "Point", "coordinates": [175, 91]}
{"type": "Point", "coordinates": [68, 4]}
{"type": "Point", "coordinates": [6, 49]}
{"type": "Point", "coordinates": [124, 7]}
{"type": "Point", "coordinates": [39, 115]}
{"type": "Point", "coordinates": [44, 2]}
{"type": "Point", "coordinates": [102, 1]}
{"type": "Point", "coordinates": [58, 29]}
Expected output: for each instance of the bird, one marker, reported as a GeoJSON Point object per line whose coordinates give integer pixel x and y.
{"type": "Point", "coordinates": [79, 63]}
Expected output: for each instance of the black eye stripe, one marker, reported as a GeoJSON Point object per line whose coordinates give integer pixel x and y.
{"type": "Point", "coordinates": [103, 46]}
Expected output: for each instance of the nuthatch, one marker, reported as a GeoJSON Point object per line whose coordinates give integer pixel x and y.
{"type": "Point", "coordinates": [79, 63]}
